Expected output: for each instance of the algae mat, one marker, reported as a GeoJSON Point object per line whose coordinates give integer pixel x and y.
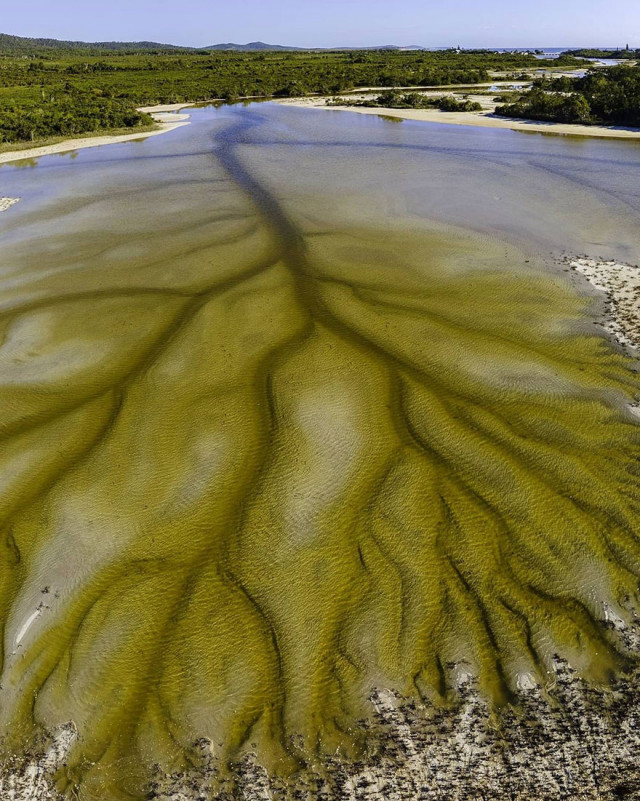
{"type": "Point", "coordinates": [263, 453]}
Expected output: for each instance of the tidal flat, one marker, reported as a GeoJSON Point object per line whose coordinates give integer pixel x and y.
{"type": "Point", "coordinates": [305, 424]}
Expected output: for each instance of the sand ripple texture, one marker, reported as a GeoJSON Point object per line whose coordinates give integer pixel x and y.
{"type": "Point", "coordinates": [253, 468]}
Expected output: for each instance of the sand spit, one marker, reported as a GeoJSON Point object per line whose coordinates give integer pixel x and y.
{"type": "Point", "coordinates": [167, 107]}
{"type": "Point", "coordinates": [7, 202]}
{"type": "Point", "coordinates": [479, 119]}
{"type": "Point", "coordinates": [621, 283]}
{"type": "Point", "coordinates": [166, 122]}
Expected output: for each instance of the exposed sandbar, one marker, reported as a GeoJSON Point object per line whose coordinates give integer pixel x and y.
{"type": "Point", "coordinates": [621, 284]}
{"type": "Point", "coordinates": [479, 119]}
{"type": "Point", "coordinates": [161, 109]}
{"type": "Point", "coordinates": [7, 202]}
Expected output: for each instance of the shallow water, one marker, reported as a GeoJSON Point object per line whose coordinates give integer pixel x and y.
{"type": "Point", "coordinates": [294, 404]}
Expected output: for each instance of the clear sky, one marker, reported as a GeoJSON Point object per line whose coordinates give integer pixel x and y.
{"type": "Point", "coordinates": [326, 23]}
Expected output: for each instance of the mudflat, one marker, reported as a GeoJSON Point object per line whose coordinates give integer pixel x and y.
{"type": "Point", "coordinates": [317, 455]}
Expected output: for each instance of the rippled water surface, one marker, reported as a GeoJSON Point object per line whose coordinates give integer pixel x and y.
{"type": "Point", "coordinates": [294, 404]}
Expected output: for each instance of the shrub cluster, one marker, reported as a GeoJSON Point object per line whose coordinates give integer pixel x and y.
{"type": "Point", "coordinates": [609, 96]}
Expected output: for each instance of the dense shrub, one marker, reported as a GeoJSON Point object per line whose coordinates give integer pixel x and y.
{"type": "Point", "coordinates": [603, 96]}
{"type": "Point", "coordinates": [69, 114]}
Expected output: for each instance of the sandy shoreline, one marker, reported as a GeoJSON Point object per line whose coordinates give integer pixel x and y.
{"type": "Point", "coordinates": [480, 119]}
{"type": "Point", "coordinates": [163, 116]}
{"type": "Point", "coordinates": [167, 107]}
{"type": "Point", "coordinates": [621, 285]}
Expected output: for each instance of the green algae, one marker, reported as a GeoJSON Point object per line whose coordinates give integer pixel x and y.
{"type": "Point", "coordinates": [255, 469]}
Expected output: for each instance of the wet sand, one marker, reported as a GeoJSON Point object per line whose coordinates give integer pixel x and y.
{"type": "Point", "coordinates": [481, 119]}
{"type": "Point", "coordinates": [267, 360]}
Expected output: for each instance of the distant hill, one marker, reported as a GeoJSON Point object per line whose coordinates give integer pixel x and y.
{"type": "Point", "coordinates": [269, 47]}
{"type": "Point", "coordinates": [250, 46]}
{"type": "Point", "coordinates": [380, 47]}
{"type": "Point", "coordinates": [20, 45]}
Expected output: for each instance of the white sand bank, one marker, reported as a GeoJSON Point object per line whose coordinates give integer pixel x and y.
{"type": "Point", "coordinates": [7, 202]}
{"type": "Point", "coordinates": [480, 119]}
{"type": "Point", "coordinates": [165, 108]}
{"type": "Point", "coordinates": [621, 283]}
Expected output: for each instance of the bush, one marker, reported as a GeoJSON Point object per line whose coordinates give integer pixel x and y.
{"type": "Point", "coordinates": [451, 104]}
{"type": "Point", "coordinates": [68, 114]}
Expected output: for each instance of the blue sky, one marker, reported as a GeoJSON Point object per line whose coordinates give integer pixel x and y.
{"type": "Point", "coordinates": [318, 23]}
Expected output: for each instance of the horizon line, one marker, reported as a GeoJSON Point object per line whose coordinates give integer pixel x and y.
{"type": "Point", "coordinates": [336, 47]}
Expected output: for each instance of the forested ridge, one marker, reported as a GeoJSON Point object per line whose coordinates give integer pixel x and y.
{"type": "Point", "coordinates": [65, 92]}
{"type": "Point", "coordinates": [22, 45]}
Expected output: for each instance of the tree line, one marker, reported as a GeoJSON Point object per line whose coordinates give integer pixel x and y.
{"type": "Point", "coordinates": [626, 52]}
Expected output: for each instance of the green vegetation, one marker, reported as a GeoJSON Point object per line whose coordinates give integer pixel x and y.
{"type": "Point", "coordinates": [73, 112]}
{"type": "Point", "coordinates": [540, 105]}
{"type": "Point", "coordinates": [64, 91]}
{"type": "Point", "coordinates": [595, 53]}
{"type": "Point", "coordinates": [451, 104]}
{"type": "Point", "coordinates": [20, 45]}
{"type": "Point", "coordinates": [610, 96]}
{"type": "Point", "coordinates": [394, 99]}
